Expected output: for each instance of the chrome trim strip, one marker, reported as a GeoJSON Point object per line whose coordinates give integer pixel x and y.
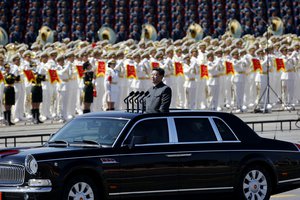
{"type": "Point", "coordinates": [165, 191]}
{"type": "Point", "coordinates": [216, 130]}
{"type": "Point", "coordinates": [26, 189]}
{"type": "Point", "coordinates": [172, 130]}
{"type": "Point", "coordinates": [175, 152]}
{"type": "Point", "coordinates": [289, 180]}
{"type": "Point", "coordinates": [178, 155]}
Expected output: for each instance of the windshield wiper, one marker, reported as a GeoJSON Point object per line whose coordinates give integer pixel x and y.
{"type": "Point", "coordinates": [58, 143]}
{"type": "Point", "coordinates": [92, 143]}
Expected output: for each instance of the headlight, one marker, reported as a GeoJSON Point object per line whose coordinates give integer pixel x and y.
{"type": "Point", "coordinates": [31, 164]}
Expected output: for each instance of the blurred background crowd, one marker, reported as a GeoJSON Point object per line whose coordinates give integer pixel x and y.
{"type": "Point", "coordinates": [81, 19]}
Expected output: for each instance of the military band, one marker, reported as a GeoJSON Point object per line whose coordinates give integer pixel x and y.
{"type": "Point", "coordinates": [216, 74]}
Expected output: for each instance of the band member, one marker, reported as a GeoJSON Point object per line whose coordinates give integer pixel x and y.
{"type": "Point", "coordinates": [111, 85]}
{"type": "Point", "coordinates": [9, 94]}
{"type": "Point", "coordinates": [36, 95]}
{"type": "Point", "coordinates": [88, 80]}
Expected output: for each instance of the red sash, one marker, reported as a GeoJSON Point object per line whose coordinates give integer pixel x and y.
{"type": "Point", "coordinates": [154, 65]}
{"type": "Point", "coordinates": [53, 76]}
{"type": "Point", "coordinates": [101, 69]}
{"type": "Point", "coordinates": [80, 70]}
{"type": "Point", "coordinates": [178, 69]}
{"type": "Point", "coordinates": [203, 71]}
{"type": "Point", "coordinates": [280, 66]}
{"type": "Point", "coordinates": [29, 75]}
{"type": "Point", "coordinates": [229, 68]}
{"type": "Point", "coordinates": [1, 77]}
{"type": "Point", "coordinates": [130, 72]}
{"type": "Point", "coordinates": [256, 65]}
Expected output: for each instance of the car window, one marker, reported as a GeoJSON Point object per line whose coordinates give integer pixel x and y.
{"type": "Point", "coordinates": [224, 130]}
{"type": "Point", "coordinates": [194, 130]}
{"type": "Point", "coordinates": [153, 131]}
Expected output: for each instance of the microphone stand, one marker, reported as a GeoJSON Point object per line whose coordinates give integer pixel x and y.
{"type": "Point", "coordinates": [126, 100]}
{"type": "Point", "coordinates": [142, 101]}
{"type": "Point", "coordinates": [136, 100]}
{"type": "Point", "coordinates": [266, 92]}
{"type": "Point", "coordinates": [132, 101]}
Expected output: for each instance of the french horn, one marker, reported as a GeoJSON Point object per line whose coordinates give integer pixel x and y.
{"type": "Point", "coordinates": [148, 33]}
{"type": "Point", "coordinates": [106, 33]}
{"type": "Point", "coordinates": [276, 26]}
{"type": "Point", "coordinates": [195, 31]}
{"type": "Point", "coordinates": [234, 28]}
{"type": "Point", "coordinates": [3, 37]}
{"type": "Point", "coordinates": [46, 35]}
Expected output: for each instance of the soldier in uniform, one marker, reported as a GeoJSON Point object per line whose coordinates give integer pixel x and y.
{"type": "Point", "coordinates": [189, 83]}
{"type": "Point", "coordinates": [112, 89]}
{"type": "Point", "coordinates": [179, 81]}
{"type": "Point", "coordinates": [36, 95]}
{"type": "Point", "coordinates": [2, 70]}
{"type": "Point", "coordinates": [89, 85]}
{"type": "Point", "coordinates": [9, 94]}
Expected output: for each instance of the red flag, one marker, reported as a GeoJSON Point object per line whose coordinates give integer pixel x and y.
{"type": "Point", "coordinates": [256, 65]}
{"type": "Point", "coordinates": [131, 72]}
{"type": "Point", "coordinates": [1, 77]}
{"type": "Point", "coordinates": [80, 70]}
{"type": "Point", "coordinates": [53, 76]}
{"type": "Point", "coordinates": [154, 65]}
{"type": "Point", "coordinates": [229, 68]}
{"type": "Point", "coordinates": [203, 71]}
{"type": "Point", "coordinates": [178, 69]}
{"type": "Point", "coordinates": [101, 69]}
{"type": "Point", "coordinates": [280, 66]}
{"type": "Point", "coordinates": [29, 75]}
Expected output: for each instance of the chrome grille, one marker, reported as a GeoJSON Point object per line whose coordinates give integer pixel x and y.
{"type": "Point", "coordinates": [11, 175]}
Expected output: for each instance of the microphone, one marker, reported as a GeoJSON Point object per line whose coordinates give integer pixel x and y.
{"type": "Point", "coordinates": [142, 101]}
{"type": "Point", "coordinates": [132, 101]}
{"type": "Point", "coordinates": [130, 94]}
{"type": "Point", "coordinates": [127, 101]}
{"type": "Point", "coordinates": [136, 100]}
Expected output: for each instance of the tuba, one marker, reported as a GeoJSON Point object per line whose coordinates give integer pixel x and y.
{"type": "Point", "coordinates": [106, 33]}
{"type": "Point", "coordinates": [148, 33]}
{"type": "Point", "coordinates": [234, 28]}
{"type": "Point", "coordinates": [195, 31]}
{"type": "Point", "coordinates": [3, 37]}
{"type": "Point", "coordinates": [276, 26]}
{"type": "Point", "coordinates": [46, 35]}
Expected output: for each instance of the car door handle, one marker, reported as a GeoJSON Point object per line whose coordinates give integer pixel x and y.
{"type": "Point", "coordinates": [179, 155]}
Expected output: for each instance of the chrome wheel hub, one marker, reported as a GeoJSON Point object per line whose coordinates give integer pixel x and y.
{"type": "Point", "coordinates": [81, 191]}
{"type": "Point", "coordinates": [255, 186]}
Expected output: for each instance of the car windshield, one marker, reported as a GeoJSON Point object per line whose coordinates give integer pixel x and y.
{"type": "Point", "coordinates": [103, 131]}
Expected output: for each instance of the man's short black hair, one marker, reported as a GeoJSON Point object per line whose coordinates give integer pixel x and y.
{"type": "Point", "coordinates": [161, 71]}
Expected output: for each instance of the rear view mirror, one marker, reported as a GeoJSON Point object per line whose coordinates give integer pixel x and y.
{"type": "Point", "coordinates": [137, 140]}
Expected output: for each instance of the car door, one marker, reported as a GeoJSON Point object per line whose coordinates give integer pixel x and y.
{"type": "Point", "coordinates": [204, 164]}
{"type": "Point", "coordinates": [146, 167]}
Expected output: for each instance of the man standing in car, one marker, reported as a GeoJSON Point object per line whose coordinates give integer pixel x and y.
{"type": "Point", "coordinates": [160, 95]}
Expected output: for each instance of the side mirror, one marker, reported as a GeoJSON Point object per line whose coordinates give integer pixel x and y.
{"type": "Point", "coordinates": [137, 140]}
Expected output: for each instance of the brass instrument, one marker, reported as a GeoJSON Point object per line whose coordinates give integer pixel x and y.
{"type": "Point", "coordinates": [195, 31]}
{"type": "Point", "coordinates": [234, 28]}
{"type": "Point", "coordinates": [276, 26]}
{"type": "Point", "coordinates": [3, 37]}
{"type": "Point", "coordinates": [106, 33]}
{"type": "Point", "coordinates": [148, 33]}
{"type": "Point", "coordinates": [46, 35]}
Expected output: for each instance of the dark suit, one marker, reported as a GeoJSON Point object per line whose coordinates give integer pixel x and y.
{"type": "Point", "coordinates": [159, 99]}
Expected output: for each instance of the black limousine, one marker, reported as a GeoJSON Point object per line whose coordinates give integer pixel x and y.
{"type": "Point", "coordinates": [115, 154]}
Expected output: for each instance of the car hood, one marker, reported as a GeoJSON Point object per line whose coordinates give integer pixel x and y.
{"type": "Point", "coordinates": [18, 155]}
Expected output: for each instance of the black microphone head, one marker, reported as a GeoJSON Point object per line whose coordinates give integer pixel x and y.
{"type": "Point", "coordinates": [141, 93]}
{"type": "Point", "coordinates": [131, 93]}
{"type": "Point", "coordinates": [146, 93]}
{"type": "Point", "coordinates": [136, 93]}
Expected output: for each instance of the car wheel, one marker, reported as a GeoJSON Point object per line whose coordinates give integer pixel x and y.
{"type": "Point", "coordinates": [81, 188]}
{"type": "Point", "coordinates": [255, 183]}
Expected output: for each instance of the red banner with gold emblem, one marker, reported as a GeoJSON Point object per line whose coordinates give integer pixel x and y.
{"type": "Point", "coordinates": [229, 68]}
{"type": "Point", "coordinates": [178, 69]}
{"type": "Point", "coordinates": [53, 76]}
{"type": "Point", "coordinates": [130, 71]}
{"type": "Point", "coordinates": [1, 77]}
{"type": "Point", "coordinates": [29, 75]}
{"type": "Point", "coordinates": [280, 66]}
{"type": "Point", "coordinates": [101, 69]}
{"type": "Point", "coordinates": [256, 65]}
{"type": "Point", "coordinates": [154, 65]}
{"type": "Point", "coordinates": [203, 71]}
{"type": "Point", "coordinates": [80, 70]}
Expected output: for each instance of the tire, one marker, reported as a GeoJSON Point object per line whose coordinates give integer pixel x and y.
{"type": "Point", "coordinates": [254, 184]}
{"type": "Point", "coordinates": [81, 187]}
